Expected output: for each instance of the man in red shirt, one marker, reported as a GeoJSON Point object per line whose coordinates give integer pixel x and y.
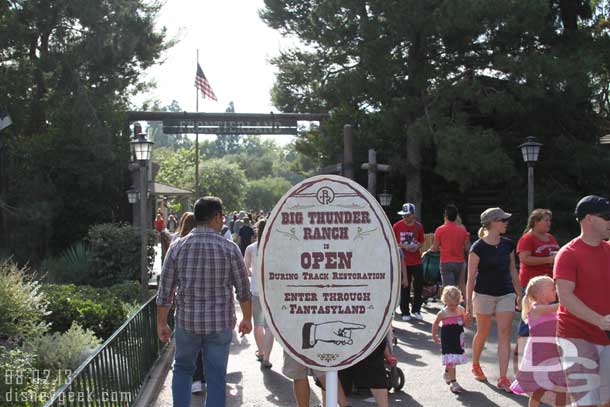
{"type": "Point", "coordinates": [453, 241]}
{"type": "Point", "coordinates": [582, 276]}
{"type": "Point", "coordinates": [410, 237]}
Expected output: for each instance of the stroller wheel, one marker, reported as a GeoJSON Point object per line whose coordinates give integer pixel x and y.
{"type": "Point", "coordinates": [397, 378]}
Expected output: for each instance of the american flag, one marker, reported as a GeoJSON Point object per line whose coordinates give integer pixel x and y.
{"type": "Point", "coordinates": [201, 83]}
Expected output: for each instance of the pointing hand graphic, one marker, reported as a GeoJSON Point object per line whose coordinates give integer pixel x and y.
{"type": "Point", "coordinates": [336, 332]}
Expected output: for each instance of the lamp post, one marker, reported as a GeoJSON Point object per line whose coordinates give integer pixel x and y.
{"type": "Point", "coordinates": [530, 150]}
{"type": "Point", "coordinates": [142, 151]}
{"type": "Point", "coordinates": [132, 195]}
{"type": "Point", "coordinates": [385, 198]}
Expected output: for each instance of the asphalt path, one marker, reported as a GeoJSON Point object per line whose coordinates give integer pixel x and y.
{"type": "Point", "coordinates": [248, 384]}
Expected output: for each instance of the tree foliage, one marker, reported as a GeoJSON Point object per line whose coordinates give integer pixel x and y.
{"type": "Point", "coordinates": [67, 69]}
{"type": "Point", "coordinates": [236, 175]}
{"type": "Point", "coordinates": [448, 90]}
{"type": "Point", "coordinates": [264, 193]}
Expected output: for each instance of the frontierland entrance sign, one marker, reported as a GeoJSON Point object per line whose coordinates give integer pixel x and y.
{"type": "Point", "coordinates": [227, 123]}
{"type": "Point", "coordinates": [329, 272]}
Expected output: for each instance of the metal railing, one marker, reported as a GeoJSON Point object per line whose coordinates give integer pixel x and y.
{"type": "Point", "coordinates": [114, 374]}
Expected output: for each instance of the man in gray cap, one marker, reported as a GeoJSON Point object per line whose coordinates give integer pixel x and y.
{"type": "Point", "coordinates": [409, 235]}
{"type": "Point", "coordinates": [582, 276]}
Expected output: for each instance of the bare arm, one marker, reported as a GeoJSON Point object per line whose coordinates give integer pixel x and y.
{"type": "Point", "coordinates": [567, 298]}
{"type": "Point", "coordinates": [163, 330]}
{"type": "Point", "coordinates": [543, 309]}
{"type": "Point", "coordinates": [515, 277]}
{"type": "Point", "coordinates": [526, 258]}
{"type": "Point", "coordinates": [467, 319]}
{"type": "Point", "coordinates": [435, 325]}
{"type": "Point", "coordinates": [248, 260]}
{"type": "Point", "coordinates": [436, 245]}
{"type": "Point", "coordinates": [473, 269]}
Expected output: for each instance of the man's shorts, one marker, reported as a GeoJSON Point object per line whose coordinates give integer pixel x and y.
{"type": "Point", "coordinates": [587, 369]}
{"type": "Point", "coordinates": [490, 304]}
{"type": "Point", "coordinates": [258, 316]}
{"type": "Point", "coordinates": [295, 371]}
{"type": "Point", "coordinates": [451, 272]}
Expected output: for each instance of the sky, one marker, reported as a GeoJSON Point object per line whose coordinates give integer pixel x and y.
{"type": "Point", "coordinates": [235, 46]}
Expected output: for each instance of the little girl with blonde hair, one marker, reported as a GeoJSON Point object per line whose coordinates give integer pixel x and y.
{"type": "Point", "coordinates": [539, 310]}
{"type": "Point", "coordinates": [451, 319]}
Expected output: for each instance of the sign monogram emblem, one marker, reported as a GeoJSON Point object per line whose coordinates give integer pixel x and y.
{"type": "Point", "coordinates": [325, 195]}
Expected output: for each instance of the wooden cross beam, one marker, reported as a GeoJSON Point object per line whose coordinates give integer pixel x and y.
{"type": "Point", "coordinates": [373, 168]}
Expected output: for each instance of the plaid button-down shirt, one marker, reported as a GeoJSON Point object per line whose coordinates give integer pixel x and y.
{"type": "Point", "coordinates": [199, 271]}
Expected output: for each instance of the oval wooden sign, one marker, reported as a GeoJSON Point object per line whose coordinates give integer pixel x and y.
{"type": "Point", "coordinates": [329, 272]}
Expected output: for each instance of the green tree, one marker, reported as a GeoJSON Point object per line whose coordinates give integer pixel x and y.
{"type": "Point", "coordinates": [155, 128]}
{"type": "Point", "coordinates": [264, 193]}
{"type": "Point", "coordinates": [446, 88]}
{"type": "Point", "coordinates": [225, 180]}
{"type": "Point", "coordinates": [67, 70]}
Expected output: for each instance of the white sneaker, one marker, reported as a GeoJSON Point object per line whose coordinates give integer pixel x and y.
{"type": "Point", "coordinates": [197, 387]}
{"type": "Point", "coordinates": [417, 316]}
{"type": "Point", "coordinates": [406, 317]}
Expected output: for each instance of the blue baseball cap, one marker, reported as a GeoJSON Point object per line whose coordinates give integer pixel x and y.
{"type": "Point", "coordinates": [407, 209]}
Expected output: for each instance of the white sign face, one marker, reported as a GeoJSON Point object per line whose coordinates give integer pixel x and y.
{"type": "Point", "coordinates": [329, 272]}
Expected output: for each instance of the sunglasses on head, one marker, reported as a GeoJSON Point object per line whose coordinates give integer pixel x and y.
{"type": "Point", "coordinates": [604, 216]}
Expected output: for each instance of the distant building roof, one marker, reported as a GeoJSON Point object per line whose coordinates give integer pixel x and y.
{"type": "Point", "coordinates": [165, 189]}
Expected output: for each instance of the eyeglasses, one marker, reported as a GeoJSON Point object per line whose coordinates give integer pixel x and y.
{"type": "Point", "coordinates": [604, 216]}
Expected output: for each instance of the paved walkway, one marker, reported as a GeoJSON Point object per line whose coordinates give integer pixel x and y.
{"type": "Point", "coordinates": [418, 356]}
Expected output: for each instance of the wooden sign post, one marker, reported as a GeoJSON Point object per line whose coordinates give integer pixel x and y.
{"type": "Point", "coordinates": [329, 273]}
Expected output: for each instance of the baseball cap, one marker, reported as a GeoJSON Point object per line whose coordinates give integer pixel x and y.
{"type": "Point", "coordinates": [407, 209]}
{"type": "Point", "coordinates": [492, 214]}
{"type": "Point", "coordinates": [591, 205]}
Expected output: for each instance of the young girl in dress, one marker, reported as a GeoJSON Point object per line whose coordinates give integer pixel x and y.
{"type": "Point", "coordinates": [451, 319]}
{"type": "Point", "coordinates": [539, 310]}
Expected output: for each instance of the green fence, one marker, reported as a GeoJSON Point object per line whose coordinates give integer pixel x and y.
{"type": "Point", "coordinates": [114, 374]}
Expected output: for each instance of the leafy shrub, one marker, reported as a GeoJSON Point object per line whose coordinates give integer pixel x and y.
{"type": "Point", "coordinates": [127, 291]}
{"type": "Point", "coordinates": [92, 308]}
{"type": "Point", "coordinates": [22, 304]}
{"type": "Point", "coordinates": [64, 351]}
{"type": "Point", "coordinates": [21, 384]}
{"type": "Point", "coordinates": [130, 294]}
{"type": "Point", "coordinates": [72, 266]}
{"type": "Point", "coordinates": [115, 253]}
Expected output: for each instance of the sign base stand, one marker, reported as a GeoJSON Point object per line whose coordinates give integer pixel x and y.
{"type": "Point", "coordinates": [332, 383]}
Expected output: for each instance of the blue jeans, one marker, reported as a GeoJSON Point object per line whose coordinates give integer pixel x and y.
{"type": "Point", "coordinates": [215, 349]}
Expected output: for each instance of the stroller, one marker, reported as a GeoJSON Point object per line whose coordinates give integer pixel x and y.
{"type": "Point", "coordinates": [431, 264]}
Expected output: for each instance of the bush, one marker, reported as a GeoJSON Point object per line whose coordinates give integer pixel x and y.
{"type": "Point", "coordinates": [128, 291]}
{"type": "Point", "coordinates": [130, 294]}
{"type": "Point", "coordinates": [92, 308]}
{"type": "Point", "coordinates": [64, 351]}
{"type": "Point", "coordinates": [115, 253]}
{"type": "Point", "coordinates": [72, 266]}
{"type": "Point", "coordinates": [22, 304]}
{"type": "Point", "coordinates": [21, 384]}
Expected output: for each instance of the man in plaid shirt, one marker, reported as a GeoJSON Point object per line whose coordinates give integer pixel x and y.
{"type": "Point", "coordinates": [199, 271]}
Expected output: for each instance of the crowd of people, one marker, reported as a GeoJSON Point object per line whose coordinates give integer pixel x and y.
{"type": "Point", "coordinates": [561, 294]}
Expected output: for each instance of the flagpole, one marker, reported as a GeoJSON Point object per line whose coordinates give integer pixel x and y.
{"type": "Point", "coordinates": [197, 138]}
